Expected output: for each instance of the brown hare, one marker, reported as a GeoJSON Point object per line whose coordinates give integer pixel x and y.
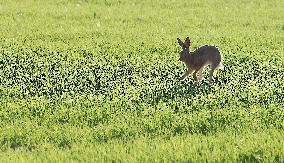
{"type": "Point", "coordinates": [197, 60]}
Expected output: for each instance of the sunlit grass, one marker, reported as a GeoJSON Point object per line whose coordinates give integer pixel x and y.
{"type": "Point", "coordinates": [98, 81]}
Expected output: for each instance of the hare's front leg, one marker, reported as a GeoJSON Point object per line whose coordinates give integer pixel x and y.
{"type": "Point", "coordinates": [211, 76]}
{"type": "Point", "coordinates": [200, 75]}
{"type": "Point", "coordinates": [187, 72]}
{"type": "Point", "coordinates": [195, 76]}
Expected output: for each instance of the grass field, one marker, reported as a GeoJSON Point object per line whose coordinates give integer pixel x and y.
{"type": "Point", "coordinates": [97, 81]}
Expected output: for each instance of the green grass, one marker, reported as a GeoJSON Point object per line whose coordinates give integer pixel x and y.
{"type": "Point", "coordinates": [98, 81]}
{"type": "Point", "coordinates": [217, 147]}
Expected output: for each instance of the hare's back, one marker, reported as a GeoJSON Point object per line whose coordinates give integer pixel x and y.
{"type": "Point", "coordinates": [209, 53]}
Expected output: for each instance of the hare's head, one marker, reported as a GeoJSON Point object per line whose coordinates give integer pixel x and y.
{"type": "Point", "coordinates": [185, 48]}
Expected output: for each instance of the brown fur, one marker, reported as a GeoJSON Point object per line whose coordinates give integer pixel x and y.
{"type": "Point", "coordinates": [197, 60]}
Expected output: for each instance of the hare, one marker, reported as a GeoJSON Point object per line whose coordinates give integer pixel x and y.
{"type": "Point", "coordinates": [197, 60]}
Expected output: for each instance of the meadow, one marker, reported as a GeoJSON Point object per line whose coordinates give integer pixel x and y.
{"type": "Point", "coordinates": [97, 81]}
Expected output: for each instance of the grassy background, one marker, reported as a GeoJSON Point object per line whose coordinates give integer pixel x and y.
{"type": "Point", "coordinates": [97, 81]}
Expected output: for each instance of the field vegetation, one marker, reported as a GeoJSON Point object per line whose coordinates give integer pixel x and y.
{"type": "Point", "coordinates": [95, 81]}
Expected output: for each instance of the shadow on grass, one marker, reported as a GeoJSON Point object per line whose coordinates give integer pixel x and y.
{"type": "Point", "coordinates": [181, 89]}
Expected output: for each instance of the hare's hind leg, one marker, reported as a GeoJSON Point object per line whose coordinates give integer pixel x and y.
{"type": "Point", "coordinates": [212, 72]}
{"type": "Point", "coordinates": [215, 72]}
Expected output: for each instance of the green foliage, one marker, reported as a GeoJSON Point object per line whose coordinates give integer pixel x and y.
{"type": "Point", "coordinates": [98, 81]}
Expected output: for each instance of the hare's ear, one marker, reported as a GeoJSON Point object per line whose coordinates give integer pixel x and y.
{"type": "Point", "coordinates": [181, 44]}
{"type": "Point", "coordinates": [187, 42]}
